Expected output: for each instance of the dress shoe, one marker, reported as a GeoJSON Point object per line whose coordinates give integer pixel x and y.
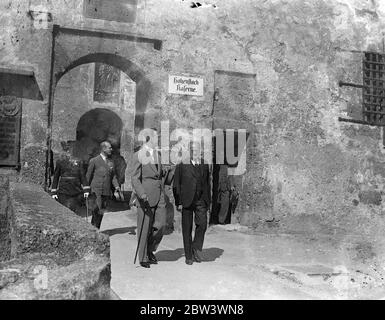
{"type": "Point", "coordinates": [189, 262]}
{"type": "Point", "coordinates": [152, 259]}
{"type": "Point", "coordinates": [197, 256]}
{"type": "Point", "coordinates": [145, 264]}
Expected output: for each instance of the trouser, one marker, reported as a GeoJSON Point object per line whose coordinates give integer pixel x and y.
{"type": "Point", "coordinates": [224, 202]}
{"type": "Point", "coordinates": [150, 234]}
{"type": "Point", "coordinates": [198, 212]}
{"type": "Point", "coordinates": [72, 202]}
{"type": "Point", "coordinates": [98, 203]}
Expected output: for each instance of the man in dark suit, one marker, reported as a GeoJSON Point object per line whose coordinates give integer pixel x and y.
{"type": "Point", "coordinates": [147, 184]}
{"type": "Point", "coordinates": [192, 197]}
{"type": "Point", "coordinates": [101, 176]}
{"type": "Point", "coordinates": [69, 181]}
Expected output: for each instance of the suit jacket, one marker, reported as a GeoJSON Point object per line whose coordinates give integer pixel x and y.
{"type": "Point", "coordinates": [191, 183]}
{"type": "Point", "coordinates": [147, 179]}
{"type": "Point", "coordinates": [101, 176]}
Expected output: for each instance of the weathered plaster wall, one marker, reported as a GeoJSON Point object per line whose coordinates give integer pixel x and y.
{"type": "Point", "coordinates": [303, 165]}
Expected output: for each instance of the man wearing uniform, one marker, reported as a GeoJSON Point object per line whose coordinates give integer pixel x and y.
{"type": "Point", "coordinates": [69, 181]}
{"type": "Point", "coordinates": [101, 176]}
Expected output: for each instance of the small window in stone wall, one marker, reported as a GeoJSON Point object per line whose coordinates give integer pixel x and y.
{"type": "Point", "coordinates": [373, 90]}
{"type": "Point", "coordinates": [111, 10]}
{"type": "Point", "coordinates": [107, 84]}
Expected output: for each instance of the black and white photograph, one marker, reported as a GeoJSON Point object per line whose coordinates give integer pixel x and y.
{"type": "Point", "coordinates": [215, 152]}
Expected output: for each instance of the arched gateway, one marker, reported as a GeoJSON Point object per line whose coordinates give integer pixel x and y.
{"type": "Point", "coordinates": [75, 47]}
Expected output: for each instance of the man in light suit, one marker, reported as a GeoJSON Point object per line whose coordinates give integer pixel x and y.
{"type": "Point", "coordinates": [147, 184]}
{"type": "Point", "coordinates": [192, 197]}
{"type": "Point", "coordinates": [101, 176]}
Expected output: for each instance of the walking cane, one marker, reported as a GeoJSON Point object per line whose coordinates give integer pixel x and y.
{"type": "Point", "coordinates": [87, 209]}
{"type": "Point", "coordinates": [145, 207]}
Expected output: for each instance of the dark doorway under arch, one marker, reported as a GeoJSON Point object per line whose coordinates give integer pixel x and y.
{"type": "Point", "coordinates": [94, 127]}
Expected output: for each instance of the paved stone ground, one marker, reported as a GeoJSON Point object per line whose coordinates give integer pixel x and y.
{"type": "Point", "coordinates": [238, 265]}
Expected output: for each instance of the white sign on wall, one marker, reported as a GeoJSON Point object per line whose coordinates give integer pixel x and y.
{"type": "Point", "coordinates": [185, 85]}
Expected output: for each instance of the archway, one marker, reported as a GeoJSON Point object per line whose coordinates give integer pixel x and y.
{"type": "Point", "coordinates": [131, 126]}
{"type": "Point", "coordinates": [143, 85]}
{"type": "Point", "coordinates": [74, 47]}
{"type": "Point", "coordinates": [95, 102]}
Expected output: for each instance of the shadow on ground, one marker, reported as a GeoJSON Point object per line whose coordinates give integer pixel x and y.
{"type": "Point", "coordinates": [112, 232]}
{"type": "Point", "coordinates": [210, 254]}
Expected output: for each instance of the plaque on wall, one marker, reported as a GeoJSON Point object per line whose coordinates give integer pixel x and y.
{"type": "Point", "coordinates": [10, 120]}
{"type": "Point", "coordinates": [106, 84]}
{"type": "Point", "coordinates": [185, 85]}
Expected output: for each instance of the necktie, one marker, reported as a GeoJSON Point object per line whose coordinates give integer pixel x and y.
{"type": "Point", "coordinates": [155, 156]}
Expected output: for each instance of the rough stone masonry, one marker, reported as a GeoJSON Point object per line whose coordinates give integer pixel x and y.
{"type": "Point", "coordinates": [47, 252]}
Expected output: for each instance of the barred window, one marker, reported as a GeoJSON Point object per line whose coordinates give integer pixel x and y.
{"type": "Point", "coordinates": [373, 90]}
